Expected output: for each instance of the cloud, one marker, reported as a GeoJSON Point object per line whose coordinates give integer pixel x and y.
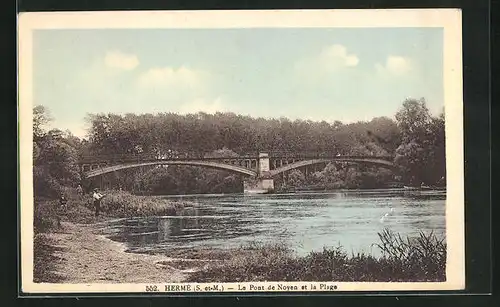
{"type": "Point", "coordinates": [321, 67]}
{"type": "Point", "coordinates": [395, 65]}
{"type": "Point", "coordinates": [337, 55]}
{"type": "Point", "coordinates": [120, 60]}
{"type": "Point", "coordinates": [328, 59]}
{"type": "Point", "coordinates": [168, 76]}
{"type": "Point", "coordinates": [202, 105]}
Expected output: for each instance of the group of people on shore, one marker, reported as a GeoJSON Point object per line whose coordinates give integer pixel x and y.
{"type": "Point", "coordinates": [63, 201]}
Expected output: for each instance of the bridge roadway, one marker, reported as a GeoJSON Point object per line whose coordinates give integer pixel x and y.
{"type": "Point", "coordinates": [257, 166]}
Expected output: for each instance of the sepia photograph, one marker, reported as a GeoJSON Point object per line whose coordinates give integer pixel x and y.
{"type": "Point", "coordinates": [240, 151]}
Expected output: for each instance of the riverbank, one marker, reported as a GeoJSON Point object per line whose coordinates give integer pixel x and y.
{"type": "Point", "coordinates": [78, 254]}
{"type": "Point", "coordinates": [418, 259]}
{"type": "Point", "coordinates": [116, 204]}
{"type": "Point", "coordinates": [75, 252]}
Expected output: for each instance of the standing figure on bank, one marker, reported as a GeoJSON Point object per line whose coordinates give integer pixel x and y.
{"type": "Point", "coordinates": [61, 208]}
{"type": "Point", "coordinates": [97, 201]}
{"type": "Point", "coordinates": [79, 190]}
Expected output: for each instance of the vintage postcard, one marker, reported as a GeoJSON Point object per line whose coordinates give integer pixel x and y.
{"type": "Point", "coordinates": [241, 151]}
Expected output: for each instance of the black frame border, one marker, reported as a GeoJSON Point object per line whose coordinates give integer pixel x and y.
{"type": "Point", "coordinates": [477, 124]}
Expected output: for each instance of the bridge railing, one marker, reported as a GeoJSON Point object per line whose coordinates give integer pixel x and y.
{"type": "Point", "coordinates": [115, 157]}
{"type": "Point", "coordinates": [325, 156]}
{"type": "Point", "coordinates": [124, 158]}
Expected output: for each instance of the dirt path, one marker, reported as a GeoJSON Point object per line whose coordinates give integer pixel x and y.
{"type": "Point", "coordinates": [87, 257]}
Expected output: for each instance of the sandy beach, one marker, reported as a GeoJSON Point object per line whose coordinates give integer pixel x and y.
{"type": "Point", "coordinates": [84, 256]}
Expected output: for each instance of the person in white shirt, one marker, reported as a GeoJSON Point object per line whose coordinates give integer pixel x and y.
{"type": "Point", "coordinates": [61, 208]}
{"type": "Point", "coordinates": [79, 190]}
{"type": "Point", "coordinates": [97, 201]}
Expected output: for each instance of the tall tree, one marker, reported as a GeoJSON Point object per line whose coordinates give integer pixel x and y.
{"type": "Point", "coordinates": [414, 121]}
{"type": "Point", "coordinates": [422, 143]}
{"type": "Point", "coordinates": [41, 117]}
{"type": "Point", "coordinates": [55, 156]}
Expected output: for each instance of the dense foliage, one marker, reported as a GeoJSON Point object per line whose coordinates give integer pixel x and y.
{"type": "Point", "coordinates": [201, 133]}
{"type": "Point", "coordinates": [421, 155]}
{"type": "Point", "coordinates": [415, 140]}
{"type": "Point", "coordinates": [342, 176]}
{"type": "Point", "coordinates": [55, 157]}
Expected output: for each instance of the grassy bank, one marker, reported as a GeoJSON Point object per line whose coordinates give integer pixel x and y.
{"type": "Point", "coordinates": [417, 259]}
{"type": "Point", "coordinates": [45, 259]}
{"type": "Point", "coordinates": [116, 204]}
{"type": "Point", "coordinates": [80, 209]}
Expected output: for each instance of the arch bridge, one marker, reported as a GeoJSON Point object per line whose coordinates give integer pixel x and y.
{"type": "Point", "coordinates": [260, 169]}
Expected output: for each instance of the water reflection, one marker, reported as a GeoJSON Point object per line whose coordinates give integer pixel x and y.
{"type": "Point", "coordinates": [307, 221]}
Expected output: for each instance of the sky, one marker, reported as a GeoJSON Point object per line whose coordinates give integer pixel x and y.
{"type": "Point", "coordinates": [346, 74]}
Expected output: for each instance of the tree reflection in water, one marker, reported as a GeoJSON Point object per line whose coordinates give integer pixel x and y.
{"type": "Point", "coordinates": [186, 220]}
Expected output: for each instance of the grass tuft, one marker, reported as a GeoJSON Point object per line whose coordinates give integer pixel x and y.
{"type": "Point", "coordinates": [416, 259]}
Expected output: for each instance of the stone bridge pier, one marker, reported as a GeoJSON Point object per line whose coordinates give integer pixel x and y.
{"type": "Point", "coordinates": [264, 183]}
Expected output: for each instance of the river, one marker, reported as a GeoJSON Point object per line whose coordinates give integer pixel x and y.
{"type": "Point", "coordinates": [305, 221]}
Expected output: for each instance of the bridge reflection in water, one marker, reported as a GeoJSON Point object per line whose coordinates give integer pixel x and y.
{"type": "Point", "coordinates": [259, 170]}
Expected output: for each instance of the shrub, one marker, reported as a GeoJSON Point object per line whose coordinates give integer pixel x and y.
{"type": "Point", "coordinates": [124, 204]}
{"type": "Point", "coordinates": [45, 185]}
{"type": "Point", "coordinates": [44, 218]}
{"type": "Point", "coordinates": [79, 212]}
{"type": "Point", "coordinates": [80, 209]}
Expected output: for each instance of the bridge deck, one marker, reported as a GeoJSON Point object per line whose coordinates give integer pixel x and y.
{"type": "Point", "coordinates": [246, 165]}
{"type": "Point", "coordinates": [118, 158]}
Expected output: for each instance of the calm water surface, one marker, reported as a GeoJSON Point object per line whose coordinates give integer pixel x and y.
{"type": "Point", "coordinates": [305, 221]}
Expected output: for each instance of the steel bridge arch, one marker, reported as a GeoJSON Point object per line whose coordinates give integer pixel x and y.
{"type": "Point", "coordinates": [295, 165]}
{"type": "Point", "coordinates": [214, 165]}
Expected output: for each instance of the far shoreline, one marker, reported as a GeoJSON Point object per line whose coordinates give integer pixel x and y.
{"type": "Point", "coordinates": [441, 190]}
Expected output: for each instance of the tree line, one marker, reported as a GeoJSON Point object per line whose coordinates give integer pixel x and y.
{"type": "Point", "coordinates": [415, 139]}
{"type": "Point", "coordinates": [202, 133]}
